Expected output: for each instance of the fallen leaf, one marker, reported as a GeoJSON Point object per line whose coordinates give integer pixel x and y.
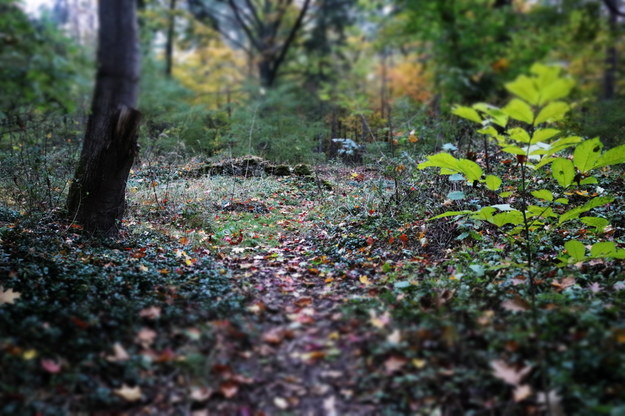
{"type": "Point", "coordinates": [8, 296]}
{"type": "Point", "coordinates": [229, 389]}
{"type": "Point", "coordinates": [303, 301]}
{"type": "Point", "coordinates": [522, 392]}
{"type": "Point", "coordinates": [119, 353]}
{"type": "Point", "coordinates": [394, 363]}
{"type": "Point", "coordinates": [145, 337]}
{"type": "Point", "coordinates": [419, 363]}
{"type": "Point", "coordinates": [379, 321]}
{"type": "Point", "coordinates": [508, 374]}
{"type": "Point", "coordinates": [364, 280]}
{"type": "Point", "coordinates": [273, 336]}
{"type": "Point", "coordinates": [130, 394]}
{"type": "Point", "coordinates": [394, 337]}
{"type": "Point", "coordinates": [200, 394]}
{"type": "Point", "coordinates": [515, 305]}
{"type": "Point", "coordinates": [153, 312]}
{"type": "Point", "coordinates": [329, 406]}
{"type": "Point", "coordinates": [50, 366]}
{"type": "Point", "coordinates": [564, 283]}
{"type": "Point", "coordinates": [280, 403]}
{"type": "Point", "coordinates": [29, 354]}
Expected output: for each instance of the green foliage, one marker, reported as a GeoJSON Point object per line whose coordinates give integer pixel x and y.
{"type": "Point", "coordinates": [172, 121]}
{"type": "Point", "coordinates": [278, 124]}
{"type": "Point", "coordinates": [537, 103]}
{"type": "Point", "coordinates": [40, 67]}
{"type": "Point", "coordinates": [80, 298]}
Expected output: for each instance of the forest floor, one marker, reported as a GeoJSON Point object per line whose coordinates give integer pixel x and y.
{"type": "Point", "coordinates": [294, 296]}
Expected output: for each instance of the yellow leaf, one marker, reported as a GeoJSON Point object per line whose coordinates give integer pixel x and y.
{"type": "Point", "coordinates": [364, 280]}
{"type": "Point", "coordinates": [419, 363]}
{"type": "Point", "coordinates": [130, 394]}
{"type": "Point", "coordinates": [29, 354]}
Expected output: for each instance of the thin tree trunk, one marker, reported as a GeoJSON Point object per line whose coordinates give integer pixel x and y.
{"type": "Point", "coordinates": [96, 197]}
{"type": "Point", "coordinates": [611, 61]}
{"type": "Point", "coordinates": [169, 46]}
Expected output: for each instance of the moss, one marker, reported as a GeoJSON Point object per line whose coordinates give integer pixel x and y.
{"type": "Point", "coordinates": [302, 170]}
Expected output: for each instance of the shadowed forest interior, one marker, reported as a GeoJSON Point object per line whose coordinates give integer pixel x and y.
{"type": "Point", "coordinates": [312, 207]}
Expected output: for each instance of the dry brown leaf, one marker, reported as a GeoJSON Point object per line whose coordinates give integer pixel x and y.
{"type": "Point", "coordinates": [145, 337]}
{"type": "Point", "coordinates": [153, 312]}
{"type": "Point", "coordinates": [274, 336]}
{"type": "Point", "coordinates": [119, 354]}
{"type": "Point", "coordinates": [303, 301]}
{"type": "Point", "coordinates": [229, 389]}
{"type": "Point", "coordinates": [130, 394]}
{"type": "Point", "coordinates": [8, 296]}
{"type": "Point", "coordinates": [200, 394]}
{"type": "Point", "coordinates": [522, 392]}
{"type": "Point", "coordinates": [515, 305]}
{"type": "Point", "coordinates": [394, 363]}
{"type": "Point", "coordinates": [507, 373]}
{"type": "Point", "coordinates": [564, 283]}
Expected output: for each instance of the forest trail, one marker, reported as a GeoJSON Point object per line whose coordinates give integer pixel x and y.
{"type": "Point", "coordinates": [294, 350]}
{"type": "Point", "coordinates": [300, 353]}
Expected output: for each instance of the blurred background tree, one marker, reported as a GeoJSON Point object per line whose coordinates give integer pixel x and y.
{"type": "Point", "coordinates": [218, 74]}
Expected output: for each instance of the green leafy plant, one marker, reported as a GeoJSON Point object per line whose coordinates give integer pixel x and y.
{"type": "Point", "coordinates": [523, 129]}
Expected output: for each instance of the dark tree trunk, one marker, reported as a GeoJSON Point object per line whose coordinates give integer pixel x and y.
{"type": "Point", "coordinates": [169, 45]}
{"type": "Point", "coordinates": [96, 197]}
{"type": "Point", "coordinates": [611, 61]}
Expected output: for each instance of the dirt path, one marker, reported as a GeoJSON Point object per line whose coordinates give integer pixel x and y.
{"type": "Point", "coordinates": [300, 354]}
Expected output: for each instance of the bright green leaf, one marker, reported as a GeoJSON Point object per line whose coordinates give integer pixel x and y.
{"type": "Point", "coordinates": [603, 249]}
{"type": "Point", "coordinates": [470, 169]}
{"type": "Point", "coordinates": [467, 113]}
{"type": "Point", "coordinates": [493, 182]}
{"type": "Point", "coordinates": [614, 156]}
{"type": "Point", "coordinates": [441, 160]}
{"type": "Point", "coordinates": [597, 222]}
{"type": "Point", "coordinates": [519, 110]}
{"type": "Point", "coordinates": [541, 135]}
{"type": "Point", "coordinates": [586, 154]}
{"type": "Point", "coordinates": [575, 249]}
{"type": "Point", "coordinates": [519, 134]}
{"type": "Point", "coordinates": [543, 194]}
{"type": "Point", "coordinates": [524, 88]}
{"type": "Point", "coordinates": [563, 171]}
{"type": "Point", "coordinates": [555, 90]}
{"type": "Point", "coordinates": [552, 112]}
{"type": "Point", "coordinates": [593, 203]}
{"type": "Point", "coordinates": [450, 214]}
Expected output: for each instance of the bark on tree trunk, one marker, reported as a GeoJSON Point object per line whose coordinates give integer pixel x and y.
{"type": "Point", "coordinates": [169, 46]}
{"type": "Point", "coordinates": [611, 60]}
{"type": "Point", "coordinates": [96, 197]}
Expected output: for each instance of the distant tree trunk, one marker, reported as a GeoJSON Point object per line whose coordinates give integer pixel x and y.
{"type": "Point", "coordinates": [96, 197]}
{"type": "Point", "coordinates": [169, 46]}
{"type": "Point", "coordinates": [611, 60]}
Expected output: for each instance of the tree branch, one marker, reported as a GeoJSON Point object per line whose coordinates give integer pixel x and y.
{"type": "Point", "coordinates": [613, 7]}
{"type": "Point", "coordinates": [289, 40]}
{"type": "Point", "coordinates": [237, 14]}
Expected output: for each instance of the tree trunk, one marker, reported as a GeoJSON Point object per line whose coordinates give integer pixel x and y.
{"type": "Point", "coordinates": [169, 46]}
{"type": "Point", "coordinates": [96, 197]}
{"type": "Point", "coordinates": [611, 60]}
